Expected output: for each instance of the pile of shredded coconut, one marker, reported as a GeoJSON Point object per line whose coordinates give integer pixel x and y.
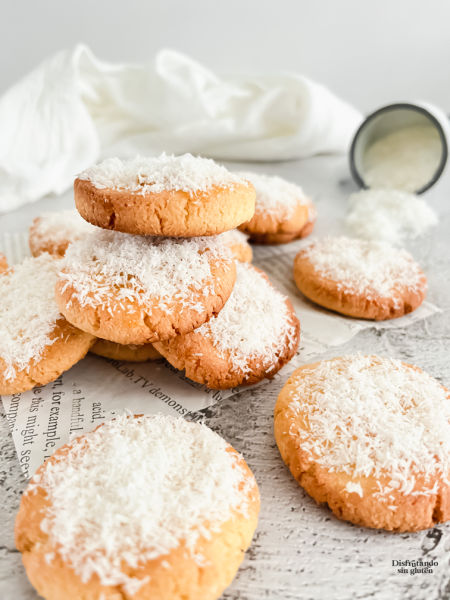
{"type": "Point", "coordinates": [405, 159]}
{"type": "Point", "coordinates": [373, 416]}
{"type": "Point", "coordinates": [362, 266]}
{"type": "Point", "coordinates": [61, 226]}
{"type": "Point", "coordinates": [276, 196]}
{"type": "Point", "coordinates": [136, 488]}
{"type": "Point", "coordinates": [254, 323]}
{"type": "Point", "coordinates": [145, 175]}
{"type": "Point", "coordinates": [29, 312]}
{"type": "Point", "coordinates": [389, 215]}
{"type": "Point", "coordinates": [143, 269]}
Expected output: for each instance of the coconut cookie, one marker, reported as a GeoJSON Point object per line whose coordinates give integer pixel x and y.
{"type": "Point", "coordinates": [168, 195]}
{"type": "Point", "coordinates": [36, 343]}
{"type": "Point", "coordinates": [282, 213]}
{"type": "Point", "coordinates": [360, 278]}
{"type": "Point", "coordinates": [132, 289]}
{"type": "Point", "coordinates": [147, 507]}
{"type": "Point", "coordinates": [253, 336]}
{"type": "Point", "coordinates": [238, 244]}
{"type": "Point", "coordinates": [52, 232]}
{"type": "Point", "coordinates": [129, 352]}
{"type": "Point", "coordinates": [370, 437]}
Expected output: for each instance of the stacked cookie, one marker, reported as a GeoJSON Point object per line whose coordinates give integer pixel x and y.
{"type": "Point", "coordinates": [150, 270]}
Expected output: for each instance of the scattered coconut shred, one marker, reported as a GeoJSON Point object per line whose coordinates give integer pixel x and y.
{"type": "Point", "coordinates": [364, 267]}
{"type": "Point", "coordinates": [143, 269]}
{"type": "Point", "coordinates": [276, 196]}
{"type": "Point", "coordinates": [373, 416]}
{"type": "Point", "coordinates": [142, 175]}
{"type": "Point", "coordinates": [254, 324]}
{"type": "Point", "coordinates": [61, 226]}
{"type": "Point", "coordinates": [135, 489]}
{"type": "Point", "coordinates": [389, 215]}
{"type": "Point", "coordinates": [29, 312]}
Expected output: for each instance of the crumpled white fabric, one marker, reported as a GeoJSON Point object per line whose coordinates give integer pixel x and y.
{"type": "Point", "coordinates": [74, 109]}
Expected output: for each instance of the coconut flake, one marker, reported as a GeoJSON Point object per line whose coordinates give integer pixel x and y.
{"type": "Point", "coordinates": [107, 267]}
{"type": "Point", "coordinates": [233, 237]}
{"type": "Point", "coordinates": [29, 312]}
{"type": "Point", "coordinates": [134, 490]}
{"type": "Point", "coordinates": [254, 325]}
{"type": "Point", "coordinates": [354, 488]}
{"type": "Point", "coordinates": [145, 175]}
{"type": "Point", "coordinates": [59, 227]}
{"type": "Point", "coordinates": [373, 416]}
{"type": "Point", "coordinates": [364, 266]}
{"type": "Point", "coordinates": [276, 196]}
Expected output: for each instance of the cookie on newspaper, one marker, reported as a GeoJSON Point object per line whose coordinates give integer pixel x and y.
{"type": "Point", "coordinates": [147, 507]}
{"type": "Point", "coordinates": [360, 278]}
{"type": "Point", "coordinates": [37, 344]}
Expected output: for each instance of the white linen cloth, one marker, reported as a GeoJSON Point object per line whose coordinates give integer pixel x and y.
{"type": "Point", "coordinates": [74, 109]}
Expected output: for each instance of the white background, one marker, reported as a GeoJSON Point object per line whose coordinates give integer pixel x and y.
{"type": "Point", "coordinates": [370, 52]}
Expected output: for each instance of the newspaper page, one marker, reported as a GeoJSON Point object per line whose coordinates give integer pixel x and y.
{"type": "Point", "coordinates": [95, 389]}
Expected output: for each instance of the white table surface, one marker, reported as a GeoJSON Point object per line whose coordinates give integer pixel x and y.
{"type": "Point", "coordinates": [300, 550]}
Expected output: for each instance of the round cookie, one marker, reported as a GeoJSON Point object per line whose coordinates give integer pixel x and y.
{"type": "Point", "coordinates": [129, 353]}
{"type": "Point", "coordinates": [52, 232]}
{"type": "Point", "coordinates": [3, 263]}
{"type": "Point", "coordinates": [253, 336]}
{"type": "Point", "coordinates": [282, 213]}
{"type": "Point", "coordinates": [133, 289]}
{"type": "Point", "coordinates": [168, 195]}
{"type": "Point", "coordinates": [369, 436]}
{"type": "Point", "coordinates": [238, 244]}
{"type": "Point", "coordinates": [147, 507]}
{"type": "Point", "coordinates": [36, 343]}
{"type": "Point", "coordinates": [360, 278]}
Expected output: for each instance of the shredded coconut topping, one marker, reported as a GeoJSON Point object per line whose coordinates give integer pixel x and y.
{"type": "Point", "coordinates": [366, 267]}
{"type": "Point", "coordinates": [135, 489]}
{"type": "Point", "coordinates": [389, 215]}
{"type": "Point", "coordinates": [354, 488]}
{"type": "Point", "coordinates": [60, 226]}
{"type": "Point", "coordinates": [108, 267]}
{"type": "Point", "coordinates": [276, 196]}
{"type": "Point", "coordinates": [233, 237]}
{"type": "Point", "coordinates": [254, 325]}
{"type": "Point", "coordinates": [145, 175]}
{"type": "Point", "coordinates": [373, 416]}
{"type": "Point", "coordinates": [29, 312]}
